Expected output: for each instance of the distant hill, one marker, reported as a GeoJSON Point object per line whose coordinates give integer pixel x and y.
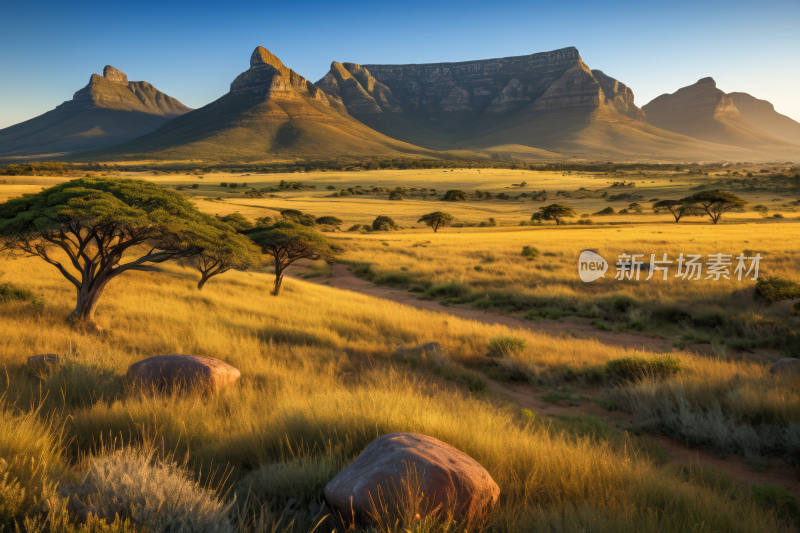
{"type": "Point", "coordinates": [705, 112]}
{"type": "Point", "coordinates": [270, 112]}
{"type": "Point", "coordinates": [763, 114]}
{"type": "Point", "coordinates": [109, 110]}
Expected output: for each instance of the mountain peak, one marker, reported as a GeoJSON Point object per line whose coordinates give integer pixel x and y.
{"type": "Point", "coordinates": [262, 56]}
{"type": "Point", "coordinates": [709, 80]}
{"type": "Point", "coordinates": [114, 75]}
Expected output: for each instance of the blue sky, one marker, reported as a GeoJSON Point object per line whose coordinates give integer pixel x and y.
{"type": "Point", "coordinates": [193, 50]}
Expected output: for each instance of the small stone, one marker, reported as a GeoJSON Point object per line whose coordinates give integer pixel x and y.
{"type": "Point", "coordinates": [788, 366]}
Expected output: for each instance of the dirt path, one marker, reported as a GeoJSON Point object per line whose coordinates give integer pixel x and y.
{"type": "Point", "coordinates": [344, 279]}
{"type": "Point", "coordinates": [776, 471]}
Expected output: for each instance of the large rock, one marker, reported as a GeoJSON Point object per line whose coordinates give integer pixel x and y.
{"type": "Point", "coordinates": [165, 372]}
{"type": "Point", "coordinates": [448, 479]}
{"type": "Point", "coordinates": [786, 366]}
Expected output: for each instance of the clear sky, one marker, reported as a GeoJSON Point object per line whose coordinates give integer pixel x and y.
{"type": "Point", "coordinates": [193, 50]}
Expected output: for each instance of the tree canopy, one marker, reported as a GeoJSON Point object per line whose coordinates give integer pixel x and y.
{"type": "Point", "coordinates": [436, 220]}
{"type": "Point", "coordinates": [237, 221]}
{"type": "Point", "coordinates": [329, 221]}
{"type": "Point", "coordinates": [454, 195]}
{"type": "Point", "coordinates": [223, 249]}
{"type": "Point", "coordinates": [715, 203]}
{"type": "Point", "coordinates": [103, 228]}
{"type": "Point", "coordinates": [555, 212]}
{"type": "Point", "coordinates": [383, 223]}
{"type": "Point", "coordinates": [287, 242]}
{"type": "Point", "coordinates": [678, 208]}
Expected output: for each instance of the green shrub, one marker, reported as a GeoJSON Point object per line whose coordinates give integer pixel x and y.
{"type": "Point", "coordinates": [505, 346]}
{"type": "Point", "coordinates": [384, 223]}
{"type": "Point", "coordinates": [636, 367]}
{"type": "Point", "coordinates": [777, 499]}
{"type": "Point", "coordinates": [454, 196]}
{"type": "Point", "coordinates": [670, 313]}
{"type": "Point", "coordinates": [195, 186]}
{"type": "Point", "coordinates": [796, 309]}
{"type": "Point", "coordinates": [530, 252]}
{"type": "Point", "coordinates": [10, 292]}
{"type": "Point", "coordinates": [773, 289]}
{"type": "Point", "coordinates": [450, 289]}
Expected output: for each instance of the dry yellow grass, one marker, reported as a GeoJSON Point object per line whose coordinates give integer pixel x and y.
{"type": "Point", "coordinates": [318, 372]}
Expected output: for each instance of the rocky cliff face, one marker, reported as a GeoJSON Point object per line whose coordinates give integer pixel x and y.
{"type": "Point", "coordinates": [112, 90]}
{"type": "Point", "coordinates": [451, 98]}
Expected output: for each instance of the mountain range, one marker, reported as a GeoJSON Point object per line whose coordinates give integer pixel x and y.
{"type": "Point", "coordinates": [109, 110]}
{"type": "Point", "coordinates": [548, 105]}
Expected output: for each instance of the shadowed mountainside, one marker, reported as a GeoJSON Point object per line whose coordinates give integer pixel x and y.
{"type": "Point", "coordinates": [705, 112]}
{"type": "Point", "coordinates": [763, 114]}
{"type": "Point", "coordinates": [109, 110]}
{"type": "Point", "coordinates": [269, 112]}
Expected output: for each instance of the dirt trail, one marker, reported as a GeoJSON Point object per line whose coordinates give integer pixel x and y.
{"type": "Point", "coordinates": [776, 471]}
{"type": "Point", "coordinates": [344, 279]}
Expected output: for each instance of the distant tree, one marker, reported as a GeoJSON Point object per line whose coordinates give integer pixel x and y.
{"type": "Point", "coordinates": [195, 186]}
{"type": "Point", "coordinates": [395, 195]}
{"type": "Point", "coordinates": [263, 221]}
{"type": "Point", "coordinates": [454, 195]}
{"type": "Point", "coordinates": [762, 210]}
{"type": "Point", "coordinates": [237, 222]}
{"type": "Point", "coordinates": [436, 220]}
{"type": "Point", "coordinates": [715, 203]}
{"type": "Point", "coordinates": [678, 208]}
{"type": "Point", "coordinates": [383, 223]}
{"type": "Point", "coordinates": [555, 212]}
{"type": "Point", "coordinates": [97, 221]}
{"type": "Point", "coordinates": [329, 221]}
{"type": "Point", "coordinates": [221, 184]}
{"type": "Point", "coordinates": [299, 217]}
{"type": "Point", "coordinates": [635, 207]}
{"type": "Point", "coordinates": [287, 242]}
{"type": "Point", "coordinates": [503, 196]}
{"type": "Point", "coordinates": [330, 187]}
{"type": "Point", "coordinates": [223, 250]}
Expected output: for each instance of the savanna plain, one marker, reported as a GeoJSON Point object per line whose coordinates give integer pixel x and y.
{"type": "Point", "coordinates": [324, 372]}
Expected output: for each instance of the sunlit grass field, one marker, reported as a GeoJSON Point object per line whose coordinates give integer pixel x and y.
{"type": "Point", "coordinates": [320, 381]}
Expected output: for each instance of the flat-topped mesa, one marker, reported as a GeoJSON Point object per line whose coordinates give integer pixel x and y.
{"type": "Point", "coordinates": [474, 89]}
{"type": "Point", "coordinates": [115, 75]}
{"type": "Point", "coordinates": [268, 75]}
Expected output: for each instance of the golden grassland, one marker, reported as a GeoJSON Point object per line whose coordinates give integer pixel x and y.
{"type": "Point", "coordinates": [320, 379]}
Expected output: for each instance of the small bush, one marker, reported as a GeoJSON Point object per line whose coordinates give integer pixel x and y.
{"type": "Point", "coordinates": [530, 252]}
{"type": "Point", "coordinates": [671, 314]}
{"type": "Point", "coordinates": [773, 289]}
{"type": "Point", "coordinates": [505, 346]}
{"type": "Point", "coordinates": [195, 186]}
{"type": "Point", "coordinates": [10, 292]}
{"type": "Point", "coordinates": [223, 184]}
{"type": "Point", "coordinates": [635, 368]}
{"type": "Point", "coordinates": [777, 499]}
{"type": "Point", "coordinates": [383, 223]}
{"type": "Point", "coordinates": [157, 494]}
{"type": "Point", "coordinates": [796, 309]}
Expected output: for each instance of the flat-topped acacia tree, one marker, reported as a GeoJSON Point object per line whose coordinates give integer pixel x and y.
{"type": "Point", "coordinates": [555, 212]}
{"type": "Point", "coordinates": [287, 242]}
{"type": "Point", "coordinates": [223, 249]}
{"type": "Point", "coordinates": [94, 229]}
{"type": "Point", "coordinates": [715, 203]}
{"type": "Point", "coordinates": [437, 220]}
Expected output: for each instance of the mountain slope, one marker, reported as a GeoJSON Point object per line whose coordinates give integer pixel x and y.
{"type": "Point", "coordinates": [269, 112]}
{"type": "Point", "coordinates": [109, 110]}
{"type": "Point", "coordinates": [763, 114]}
{"type": "Point", "coordinates": [438, 104]}
{"type": "Point", "coordinates": [705, 112]}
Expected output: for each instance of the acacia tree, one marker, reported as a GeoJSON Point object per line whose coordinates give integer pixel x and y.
{"type": "Point", "coordinates": [715, 203]}
{"type": "Point", "coordinates": [678, 208]}
{"type": "Point", "coordinates": [436, 220]}
{"type": "Point", "coordinates": [287, 242]}
{"type": "Point", "coordinates": [223, 250]}
{"type": "Point", "coordinates": [555, 212]}
{"type": "Point", "coordinates": [104, 227]}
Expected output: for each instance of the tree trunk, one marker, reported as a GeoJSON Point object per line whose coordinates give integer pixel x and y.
{"type": "Point", "coordinates": [203, 279]}
{"type": "Point", "coordinates": [87, 305]}
{"type": "Point", "coordinates": [278, 279]}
